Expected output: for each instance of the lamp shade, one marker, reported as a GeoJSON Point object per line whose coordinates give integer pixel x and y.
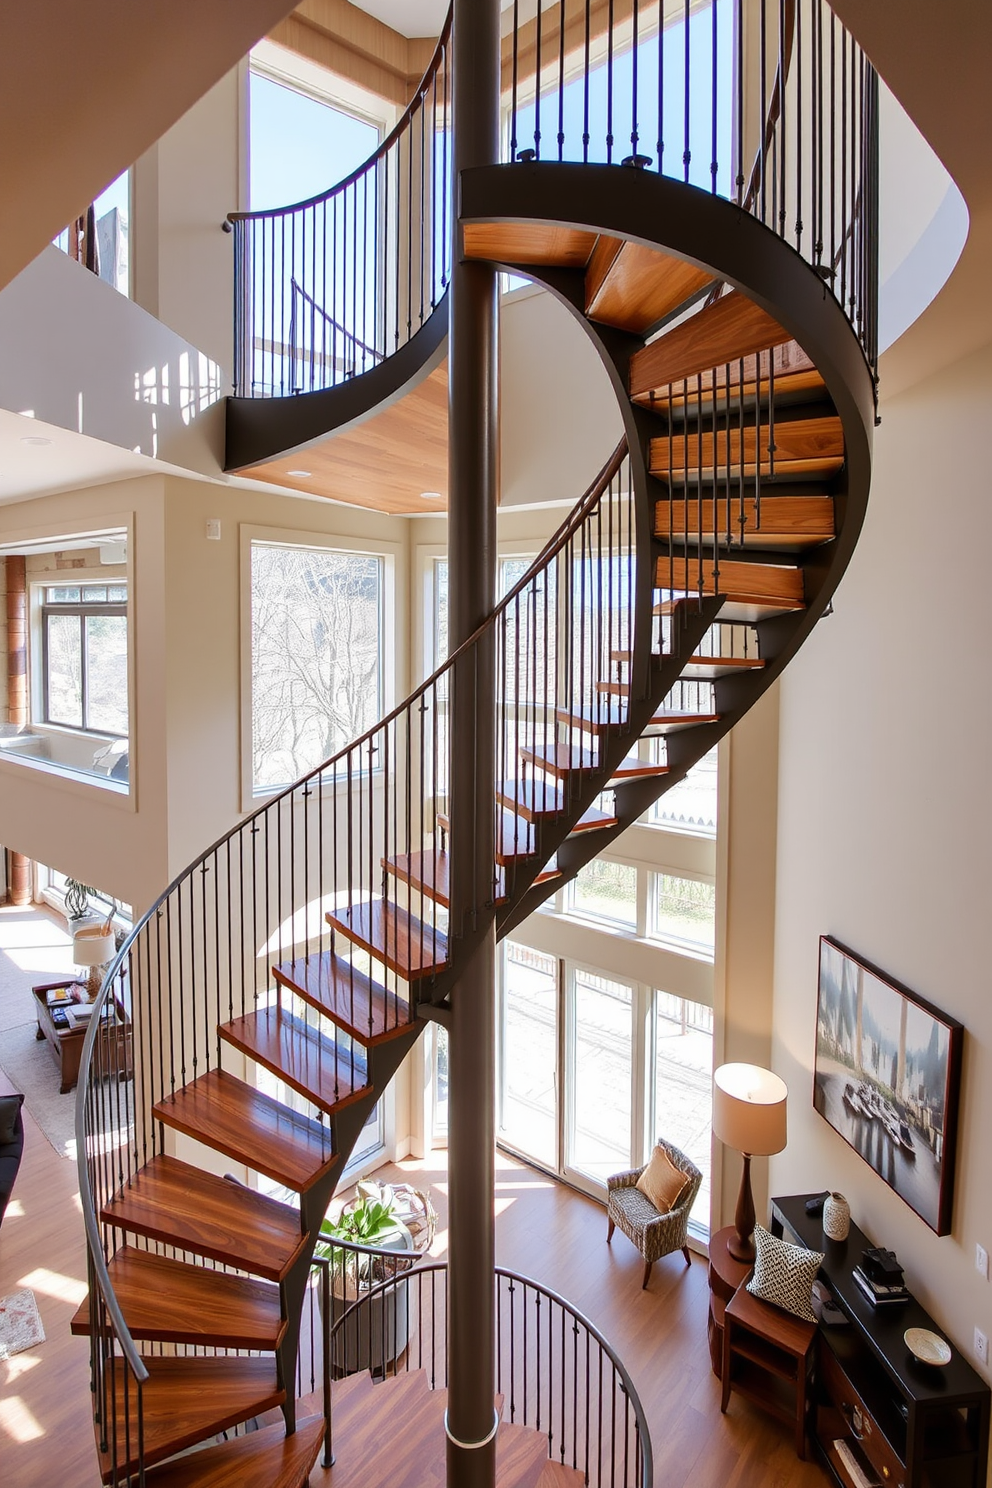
{"type": "Point", "coordinates": [749, 1109]}
{"type": "Point", "coordinates": [91, 948]}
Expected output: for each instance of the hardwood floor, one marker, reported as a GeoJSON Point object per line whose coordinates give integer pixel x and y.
{"type": "Point", "coordinates": [46, 1431]}
{"type": "Point", "coordinates": [558, 1237]}
{"type": "Point", "coordinates": [543, 1230]}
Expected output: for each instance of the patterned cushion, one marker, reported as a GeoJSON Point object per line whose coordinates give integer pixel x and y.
{"type": "Point", "coordinates": [783, 1274]}
{"type": "Point", "coordinates": [662, 1182]}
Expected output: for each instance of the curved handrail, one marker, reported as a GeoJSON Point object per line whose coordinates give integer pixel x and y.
{"type": "Point", "coordinates": [370, 256]}
{"type": "Point", "coordinates": [547, 1294]}
{"type": "Point", "coordinates": [394, 134]}
{"type": "Point", "coordinates": [118, 972]}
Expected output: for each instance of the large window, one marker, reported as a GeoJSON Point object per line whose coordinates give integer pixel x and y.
{"type": "Point", "coordinates": [593, 1068]}
{"type": "Point", "coordinates": [316, 637]}
{"type": "Point", "coordinates": [84, 657]}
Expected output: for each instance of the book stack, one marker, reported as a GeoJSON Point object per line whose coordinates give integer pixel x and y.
{"type": "Point", "coordinates": [79, 1014]}
{"type": "Point", "coordinates": [881, 1293]}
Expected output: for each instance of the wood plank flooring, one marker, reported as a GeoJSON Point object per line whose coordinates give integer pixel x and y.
{"type": "Point", "coordinates": [543, 1229]}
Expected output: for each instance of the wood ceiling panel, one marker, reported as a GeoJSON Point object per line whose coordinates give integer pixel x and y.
{"type": "Point", "coordinates": [384, 463]}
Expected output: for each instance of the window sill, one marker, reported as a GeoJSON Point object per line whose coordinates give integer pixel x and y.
{"type": "Point", "coordinates": [64, 776]}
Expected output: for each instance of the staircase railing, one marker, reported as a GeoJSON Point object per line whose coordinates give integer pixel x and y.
{"type": "Point", "coordinates": [554, 1369]}
{"type": "Point", "coordinates": [360, 836]}
{"type": "Point", "coordinates": [326, 288]}
{"type": "Point", "coordinates": [769, 103]}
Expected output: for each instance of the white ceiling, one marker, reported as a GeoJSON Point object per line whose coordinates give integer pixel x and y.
{"type": "Point", "coordinates": [415, 17]}
{"type": "Point", "coordinates": [409, 17]}
{"type": "Point", "coordinates": [65, 462]}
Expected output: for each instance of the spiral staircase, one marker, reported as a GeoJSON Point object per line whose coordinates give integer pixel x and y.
{"type": "Point", "coordinates": [280, 981]}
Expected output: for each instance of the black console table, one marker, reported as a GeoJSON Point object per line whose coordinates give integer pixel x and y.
{"type": "Point", "coordinates": [905, 1424]}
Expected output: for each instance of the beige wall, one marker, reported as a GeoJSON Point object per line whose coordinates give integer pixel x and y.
{"type": "Point", "coordinates": [885, 809]}
{"type": "Point", "coordinates": [118, 842]}
{"type": "Point", "coordinates": [743, 974]}
{"type": "Point", "coordinates": [183, 189]}
{"type": "Point", "coordinates": [187, 689]}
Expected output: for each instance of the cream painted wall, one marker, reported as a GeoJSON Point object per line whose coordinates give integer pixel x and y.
{"type": "Point", "coordinates": [115, 841]}
{"type": "Point", "coordinates": [204, 640]}
{"type": "Point", "coordinates": [560, 421]}
{"type": "Point", "coordinates": [186, 722]}
{"type": "Point", "coordinates": [183, 189]}
{"type": "Point", "coordinates": [743, 973]}
{"type": "Point", "coordinates": [885, 810]}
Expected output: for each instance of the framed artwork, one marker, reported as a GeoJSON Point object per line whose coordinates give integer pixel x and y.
{"type": "Point", "coordinates": [886, 1076]}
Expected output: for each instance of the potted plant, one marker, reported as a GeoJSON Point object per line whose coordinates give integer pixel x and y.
{"type": "Point", "coordinates": [381, 1216]}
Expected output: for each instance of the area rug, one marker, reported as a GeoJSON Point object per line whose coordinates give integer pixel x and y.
{"type": "Point", "coordinates": [20, 1323]}
{"type": "Point", "coordinates": [30, 1066]}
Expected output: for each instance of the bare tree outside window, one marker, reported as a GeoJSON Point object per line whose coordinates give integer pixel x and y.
{"type": "Point", "coordinates": [316, 671]}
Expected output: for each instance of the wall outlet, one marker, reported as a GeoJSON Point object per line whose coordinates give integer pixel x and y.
{"type": "Point", "coordinates": [982, 1261]}
{"type": "Point", "coordinates": [981, 1346]}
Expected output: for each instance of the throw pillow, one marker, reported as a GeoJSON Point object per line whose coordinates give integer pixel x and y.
{"type": "Point", "coordinates": [10, 1109]}
{"type": "Point", "coordinates": [784, 1273]}
{"type": "Point", "coordinates": [662, 1182]}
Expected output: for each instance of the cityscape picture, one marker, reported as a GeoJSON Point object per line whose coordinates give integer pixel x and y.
{"type": "Point", "coordinates": [886, 1078]}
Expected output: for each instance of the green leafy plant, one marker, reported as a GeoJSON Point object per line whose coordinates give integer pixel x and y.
{"type": "Point", "coordinates": [401, 1219]}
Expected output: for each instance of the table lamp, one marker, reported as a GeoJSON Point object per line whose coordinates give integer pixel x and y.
{"type": "Point", "coordinates": [93, 947]}
{"type": "Point", "coordinates": [748, 1115]}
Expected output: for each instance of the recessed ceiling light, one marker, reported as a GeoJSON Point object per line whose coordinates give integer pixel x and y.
{"type": "Point", "coordinates": [430, 495]}
{"type": "Point", "coordinates": [302, 473]}
{"type": "Point", "coordinates": [37, 439]}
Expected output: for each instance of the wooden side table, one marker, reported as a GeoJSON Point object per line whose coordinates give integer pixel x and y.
{"type": "Point", "coordinates": [725, 1276]}
{"type": "Point", "coordinates": [67, 1043]}
{"type": "Point", "coordinates": [768, 1358]}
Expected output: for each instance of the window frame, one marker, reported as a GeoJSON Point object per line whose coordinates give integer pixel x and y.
{"type": "Point", "coordinates": [391, 667]}
{"type": "Point", "coordinates": [83, 610]}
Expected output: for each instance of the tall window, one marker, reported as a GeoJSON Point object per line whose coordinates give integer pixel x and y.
{"type": "Point", "coordinates": [316, 632]}
{"type": "Point", "coordinates": [593, 1068]}
{"type": "Point", "coordinates": [300, 145]}
{"type": "Point", "coordinates": [84, 657]}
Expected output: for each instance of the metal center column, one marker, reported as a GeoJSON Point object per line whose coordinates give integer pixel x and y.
{"type": "Point", "coordinates": [473, 466]}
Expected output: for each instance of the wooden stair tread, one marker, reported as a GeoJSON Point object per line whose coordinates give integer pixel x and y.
{"type": "Point", "coordinates": [812, 446]}
{"type": "Point", "coordinates": [545, 243]}
{"type": "Point", "coordinates": [184, 1401]}
{"type": "Point", "coordinates": [562, 760]}
{"type": "Point", "coordinates": [798, 521]}
{"type": "Point", "coordinates": [267, 1458]}
{"type": "Point", "coordinates": [308, 1060]}
{"type": "Point", "coordinates": [533, 799]}
{"type": "Point", "coordinates": [394, 1433]}
{"type": "Point", "coordinates": [406, 945]}
{"type": "Point", "coordinates": [169, 1301]}
{"type": "Point", "coordinates": [736, 581]}
{"type": "Point", "coordinates": [515, 840]}
{"type": "Point", "coordinates": [559, 1475]}
{"type": "Point", "coordinates": [609, 718]}
{"type": "Point", "coordinates": [348, 997]}
{"type": "Point", "coordinates": [178, 1204]}
{"type": "Point", "coordinates": [694, 669]}
{"type": "Point", "coordinates": [731, 328]}
{"type": "Point", "coordinates": [794, 373]}
{"type": "Point", "coordinates": [427, 872]}
{"type": "Point", "coordinates": [743, 612]}
{"type": "Point", "coordinates": [633, 287]}
{"type": "Point", "coordinates": [228, 1115]}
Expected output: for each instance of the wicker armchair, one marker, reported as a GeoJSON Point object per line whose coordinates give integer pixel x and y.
{"type": "Point", "coordinates": [654, 1234]}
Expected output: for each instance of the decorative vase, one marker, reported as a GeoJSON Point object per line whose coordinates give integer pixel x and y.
{"type": "Point", "coordinates": [836, 1217]}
